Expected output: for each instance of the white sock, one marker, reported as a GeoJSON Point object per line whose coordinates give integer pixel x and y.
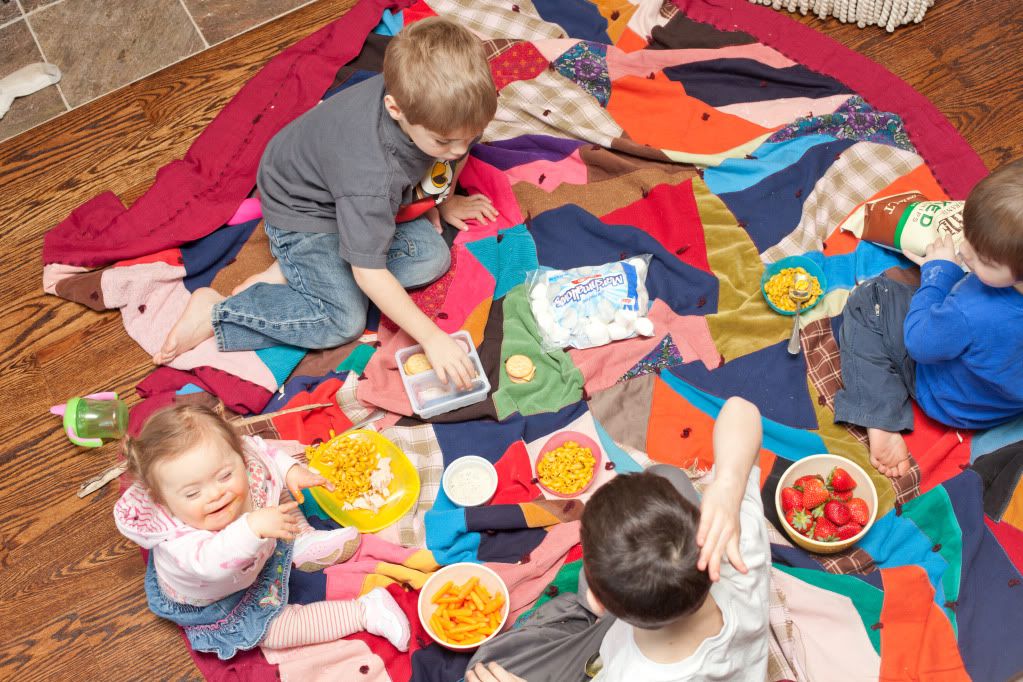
{"type": "Point", "coordinates": [25, 81]}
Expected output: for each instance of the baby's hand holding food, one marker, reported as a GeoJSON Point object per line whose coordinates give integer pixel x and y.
{"type": "Point", "coordinates": [449, 360]}
{"type": "Point", "coordinates": [275, 522]}
{"type": "Point", "coordinates": [301, 476]}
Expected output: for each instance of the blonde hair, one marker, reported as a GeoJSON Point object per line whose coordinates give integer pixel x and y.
{"type": "Point", "coordinates": [993, 217]}
{"type": "Point", "coordinates": [170, 432]}
{"type": "Point", "coordinates": [437, 72]}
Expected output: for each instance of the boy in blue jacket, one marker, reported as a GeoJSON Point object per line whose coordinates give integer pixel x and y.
{"type": "Point", "coordinates": [955, 345]}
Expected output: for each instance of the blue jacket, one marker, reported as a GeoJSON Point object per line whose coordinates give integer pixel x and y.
{"type": "Point", "coordinates": [967, 340]}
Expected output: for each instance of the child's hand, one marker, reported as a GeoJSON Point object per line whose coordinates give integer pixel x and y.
{"type": "Point", "coordinates": [300, 476]}
{"type": "Point", "coordinates": [491, 672]}
{"type": "Point", "coordinates": [719, 527]}
{"type": "Point", "coordinates": [942, 248]}
{"type": "Point", "coordinates": [449, 360]}
{"type": "Point", "coordinates": [457, 209]}
{"type": "Point", "coordinates": [275, 522]}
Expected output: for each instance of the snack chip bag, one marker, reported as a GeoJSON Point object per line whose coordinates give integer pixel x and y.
{"type": "Point", "coordinates": [591, 305]}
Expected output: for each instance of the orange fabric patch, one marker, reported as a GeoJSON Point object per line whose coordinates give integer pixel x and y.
{"type": "Point", "coordinates": [917, 642]}
{"type": "Point", "coordinates": [681, 435]}
{"type": "Point", "coordinates": [920, 179]}
{"type": "Point", "coordinates": [617, 13]}
{"type": "Point", "coordinates": [659, 113]}
{"type": "Point", "coordinates": [629, 41]}
{"type": "Point", "coordinates": [1014, 511]}
{"type": "Point", "coordinates": [477, 320]}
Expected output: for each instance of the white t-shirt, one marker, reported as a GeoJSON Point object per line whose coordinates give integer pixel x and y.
{"type": "Point", "coordinates": [739, 651]}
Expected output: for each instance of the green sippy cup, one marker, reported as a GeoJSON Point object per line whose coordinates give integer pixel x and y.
{"type": "Point", "coordinates": [89, 420]}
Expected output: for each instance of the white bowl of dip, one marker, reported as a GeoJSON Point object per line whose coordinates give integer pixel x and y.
{"type": "Point", "coordinates": [470, 481]}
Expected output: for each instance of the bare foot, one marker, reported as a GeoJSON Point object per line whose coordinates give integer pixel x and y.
{"type": "Point", "coordinates": [272, 275]}
{"type": "Point", "coordinates": [192, 328]}
{"type": "Point", "coordinates": [888, 452]}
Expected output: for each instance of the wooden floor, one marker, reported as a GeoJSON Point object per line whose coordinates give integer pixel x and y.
{"type": "Point", "coordinates": [71, 601]}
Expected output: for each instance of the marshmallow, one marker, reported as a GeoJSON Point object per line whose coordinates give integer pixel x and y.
{"type": "Point", "coordinates": [605, 311]}
{"type": "Point", "coordinates": [644, 326]}
{"type": "Point", "coordinates": [626, 317]}
{"type": "Point", "coordinates": [597, 333]}
{"type": "Point", "coordinates": [618, 332]}
{"type": "Point", "coordinates": [639, 264]}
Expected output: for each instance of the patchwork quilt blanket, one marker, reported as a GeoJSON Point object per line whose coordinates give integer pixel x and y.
{"type": "Point", "coordinates": [716, 136]}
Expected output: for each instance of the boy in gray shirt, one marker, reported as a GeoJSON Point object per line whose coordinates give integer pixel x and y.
{"type": "Point", "coordinates": [353, 192]}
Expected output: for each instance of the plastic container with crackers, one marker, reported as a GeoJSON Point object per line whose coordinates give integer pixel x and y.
{"type": "Point", "coordinates": [428, 395]}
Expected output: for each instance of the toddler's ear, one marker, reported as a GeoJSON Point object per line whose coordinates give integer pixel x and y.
{"type": "Point", "coordinates": [393, 110]}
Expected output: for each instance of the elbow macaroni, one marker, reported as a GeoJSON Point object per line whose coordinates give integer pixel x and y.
{"type": "Point", "coordinates": [777, 289]}
{"type": "Point", "coordinates": [359, 474]}
{"type": "Point", "coordinates": [566, 469]}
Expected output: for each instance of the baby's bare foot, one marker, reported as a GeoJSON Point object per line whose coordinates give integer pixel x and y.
{"type": "Point", "coordinates": [888, 452]}
{"type": "Point", "coordinates": [192, 328]}
{"type": "Point", "coordinates": [272, 275]}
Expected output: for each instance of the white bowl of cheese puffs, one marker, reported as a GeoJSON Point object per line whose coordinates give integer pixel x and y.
{"type": "Point", "coordinates": [463, 605]}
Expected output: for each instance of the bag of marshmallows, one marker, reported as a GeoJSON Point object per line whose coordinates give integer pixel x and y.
{"type": "Point", "coordinates": [591, 305]}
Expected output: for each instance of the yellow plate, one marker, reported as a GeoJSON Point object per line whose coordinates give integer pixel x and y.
{"type": "Point", "coordinates": [404, 489]}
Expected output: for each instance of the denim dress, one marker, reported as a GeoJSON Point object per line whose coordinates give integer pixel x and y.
{"type": "Point", "coordinates": [240, 620]}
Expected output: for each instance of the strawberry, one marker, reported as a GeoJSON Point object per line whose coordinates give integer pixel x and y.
{"type": "Point", "coordinates": [824, 531]}
{"type": "Point", "coordinates": [791, 499]}
{"type": "Point", "coordinates": [799, 520]}
{"type": "Point", "coordinates": [843, 496]}
{"type": "Point", "coordinates": [858, 511]}
{"type": "Point", "coordinates": [840, 480]}
{"type": "Point", "coordinates": [837, 513]}
{"type": "Point", "coordinates": [801, 481]}
{"type": "Point", "coordinates": [814, 493]}
{"type": "Point", "coordinates": [848, 530]}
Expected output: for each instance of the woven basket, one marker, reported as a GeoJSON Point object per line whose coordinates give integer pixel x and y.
{"type": "Point", "coordinates": [887, 13]}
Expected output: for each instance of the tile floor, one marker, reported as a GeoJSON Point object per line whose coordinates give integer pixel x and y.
{"type": "Point", "coordinates": [100, 45]}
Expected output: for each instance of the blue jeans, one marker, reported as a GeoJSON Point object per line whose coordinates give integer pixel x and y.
{"type": "Point", "coordinates": [878, 375]}
{"type": "Point", "coordinates": [321, 306]}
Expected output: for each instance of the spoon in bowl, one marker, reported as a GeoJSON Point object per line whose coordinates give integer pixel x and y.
{"type": "Point", "coordinates": [799, 292]}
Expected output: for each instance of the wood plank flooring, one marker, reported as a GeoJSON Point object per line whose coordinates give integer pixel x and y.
{"type": "Point", "coordinates": [71, 600]}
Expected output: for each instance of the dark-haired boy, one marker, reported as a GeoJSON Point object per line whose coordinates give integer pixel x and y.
{"type": "Point", "coordinates": [953, 344]}
{"type": "Point", "coordinates": [651, 557]}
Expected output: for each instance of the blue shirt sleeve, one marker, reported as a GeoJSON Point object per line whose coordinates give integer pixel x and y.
{"type": "Point", "coordinates": [936, 330]}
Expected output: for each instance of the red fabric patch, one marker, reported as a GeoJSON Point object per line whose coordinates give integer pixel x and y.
{"type": "Point", "coordinates": [398, 664]}
{"type": "Point", "coordinates": [668, 213]}
{"type": "Point", "coordinates": [520, 62]}
{"type": "Point", "coordinates": [937, 449]}
{"type": "Point", "coordinates": [168, 256]}
{"type": "Point", "coordinates": [311, 424]}
{"type": "Point", "coordinates": [418, 11]}
{"type": "Point", "coordinates": [1011, 540]}
{"type": "Point", "coordinates": [514, 477]}
{"type": "Point", "coordinates": [430, 299]}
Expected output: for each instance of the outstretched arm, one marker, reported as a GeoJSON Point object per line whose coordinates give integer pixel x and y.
{"type": "Point", "coordinates": [737, 437]}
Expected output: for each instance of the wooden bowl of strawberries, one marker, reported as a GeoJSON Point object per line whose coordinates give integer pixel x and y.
{"type": "Point", "coordinates": [826, 503]}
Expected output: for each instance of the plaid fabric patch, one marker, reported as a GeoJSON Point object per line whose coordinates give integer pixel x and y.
{"type": "Point", "coordinates": [497, 47]}
{"type": "Point", "coordinates": [494, 19]}
{"type": "Point", "coordinates": [784, 643]}
{"type": "Point", "coordinates": [551, 104]}
{"type": "Point", "coordinates": [857, 174]}
{"type": "Point", "coordinates": [420, 445]}
{"type": "Point", "coordinates": [852, 560]}
{"type": "Point", "coordinates": [907, 487]}
{"type": "Point", "coordinates": [824, 366]}
{"type": "Point", "coordinates": [349, 404]}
